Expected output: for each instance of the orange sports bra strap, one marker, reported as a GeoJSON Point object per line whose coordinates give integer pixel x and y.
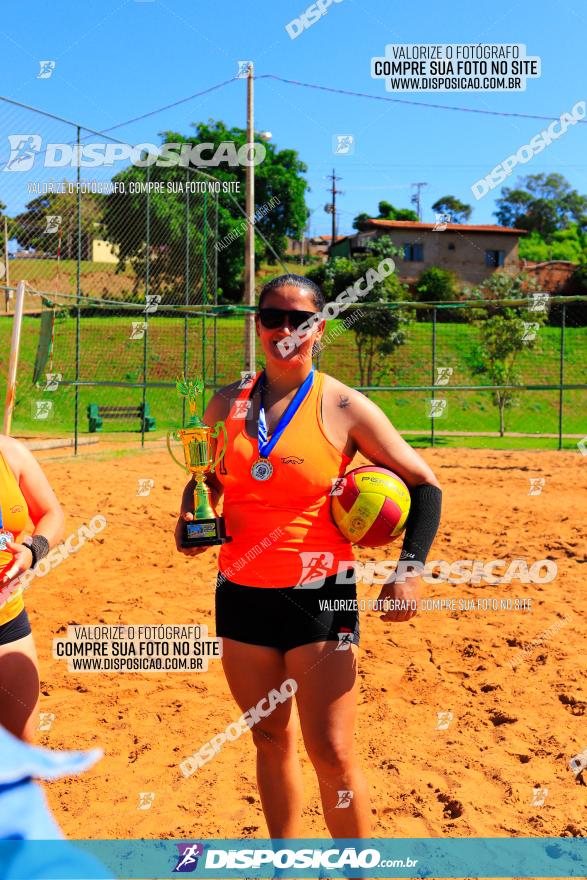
{"type": "Point", "coordinates": [318, 390]}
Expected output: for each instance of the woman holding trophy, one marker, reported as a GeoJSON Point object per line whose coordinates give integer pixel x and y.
{"type": "Point", "coordinates": [291, 432]}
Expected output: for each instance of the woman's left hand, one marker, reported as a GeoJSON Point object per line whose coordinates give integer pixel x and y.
{"type": "Point", "coordinates": [406, 590]}
{"type": "Point", "coordinates": [22, 561]}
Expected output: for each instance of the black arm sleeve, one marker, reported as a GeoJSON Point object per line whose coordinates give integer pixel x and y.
{"type": "Point", "coordinates": [423, 522]}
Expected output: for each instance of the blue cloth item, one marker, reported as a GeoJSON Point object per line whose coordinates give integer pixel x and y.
{"type": "Point", "coordinates": [19, 761]}
{"type": "Point", "coordinates": [25, 815]}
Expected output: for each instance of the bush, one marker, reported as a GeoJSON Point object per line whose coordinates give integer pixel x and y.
{"type": "Point", "coordinates": [437, 285]}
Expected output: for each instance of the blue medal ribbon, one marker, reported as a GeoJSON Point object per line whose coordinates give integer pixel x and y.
{"type": "Point", "coordinates": [266, 445]}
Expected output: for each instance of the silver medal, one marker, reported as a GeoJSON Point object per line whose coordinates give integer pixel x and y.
{"type": "Point", "coordinates": [262, 469]}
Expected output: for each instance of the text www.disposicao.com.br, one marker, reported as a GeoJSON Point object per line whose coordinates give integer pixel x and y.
{"type": "Point", "coordinates": [134, 664]}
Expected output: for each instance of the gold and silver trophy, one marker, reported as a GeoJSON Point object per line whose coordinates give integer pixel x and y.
{"type": "Point", "coordinates": [206, 528]}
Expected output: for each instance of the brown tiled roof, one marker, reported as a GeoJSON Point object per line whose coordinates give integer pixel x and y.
{"type": "Point", "coordinates": [457, 227]}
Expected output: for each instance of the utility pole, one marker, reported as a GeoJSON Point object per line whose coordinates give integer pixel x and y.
{"type": "Point", "coordinates": [330, 208]}
{"type": "Point", "coordinates": [416, 199]}
{"type": "Point", "coordinates": [250, 232]}
{"type": "Point", "coordinates": [305, 237]}
{"type": "Point", "coordinates": [6, 266]}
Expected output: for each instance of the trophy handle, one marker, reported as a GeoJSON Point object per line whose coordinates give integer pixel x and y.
{"type": "Point", "coordinates": [173, 435]}
{"type": "Point", "coordinates": [219, 426]}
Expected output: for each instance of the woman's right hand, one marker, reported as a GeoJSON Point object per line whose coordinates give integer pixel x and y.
{"type": "Point", "coordinates": [187, 551]}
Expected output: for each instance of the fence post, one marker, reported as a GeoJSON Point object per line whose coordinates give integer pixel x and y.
{"type": "Point", "coordinates": [78, 295]}
{"type": "Point", "coordinates": [13, 362]}
{"type": "Point", "coordinates": [433, 382]}
{"type": "Point", "coordinates": [187, 289]}
{"type": "Point", "coordinates": [215, 282]}
{"type": "Point", "coordinates": [146, 313]}
{"type": "Point", "coordinates": [561, 379]}
{"type": "Point", "coordinates": [204, 296]}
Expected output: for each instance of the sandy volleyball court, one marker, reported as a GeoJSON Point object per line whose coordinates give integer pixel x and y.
{"type": "Point", "coordinates": [509, 731]}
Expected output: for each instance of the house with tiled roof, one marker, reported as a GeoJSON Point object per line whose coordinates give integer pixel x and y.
{"type": "Point", "coordinates": [472, 252]}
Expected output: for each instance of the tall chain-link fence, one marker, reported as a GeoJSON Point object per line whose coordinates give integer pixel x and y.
{"type": "Point", "coordinates": [469, 370]}
{"type": "Point", "coordinates": [122, 298]}
{"type": "Point", "coordinates": [92, 230]}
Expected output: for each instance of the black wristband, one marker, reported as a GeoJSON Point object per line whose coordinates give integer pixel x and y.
{"type": "Point", "coordinates": [422, 524]}
{"type": "Point", "coordinates": [39, 547]}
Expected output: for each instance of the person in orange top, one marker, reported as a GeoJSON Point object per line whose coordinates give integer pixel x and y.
{"type": "Point", "coordinates": [25, 494]}
{"type": "Point", "coordinates": [291, 434]}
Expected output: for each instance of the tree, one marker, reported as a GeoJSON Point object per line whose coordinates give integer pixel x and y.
{"type": "Point", "coordinates": [278, 177]}
{"type": "Point", "coordinates": [378, 331]}
{"type": "Point", "coordinates": [504, 332]}
{"type": "Point", "coordinates": [386, 212]}
{"type": "Point", "coordinates": [459, 211]}
{"type": "Point", "coordinates": [542, 202]}
{"type": "Point", "coordinates": [564, 244]}
{"type": "Point", "coordinates": [31, 230]}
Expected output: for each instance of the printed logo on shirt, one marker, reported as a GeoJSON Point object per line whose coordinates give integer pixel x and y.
{"type": "Point", "coordinates": [292, 459]}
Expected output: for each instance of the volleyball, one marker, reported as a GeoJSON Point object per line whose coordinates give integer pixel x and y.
{"type": "Point", "coordinates": [371, 506]}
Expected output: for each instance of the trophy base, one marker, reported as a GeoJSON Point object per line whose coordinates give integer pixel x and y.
{"type": "Point", "coordinates": [205, 533]}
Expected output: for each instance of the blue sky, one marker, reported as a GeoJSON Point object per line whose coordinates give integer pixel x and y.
{"type": "Point", "coordinates": [116, 60]}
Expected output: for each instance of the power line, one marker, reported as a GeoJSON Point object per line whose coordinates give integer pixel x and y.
{"type": "Point", "coordinates": [295, 82]}
{"type": "Point", "coordinates": [332, 90]}
{"type": "Point", "coordinates": [174, 104]}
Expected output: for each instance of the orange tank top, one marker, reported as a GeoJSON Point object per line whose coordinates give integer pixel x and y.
{"type": "Point", "coordinates": [282, 531]}
{"type": "Point", "coordinates": [15, 517]}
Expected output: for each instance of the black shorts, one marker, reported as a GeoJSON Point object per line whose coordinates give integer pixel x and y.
{"type": "Point", "coordinates": [287, 617]}
{"type": "Point", "coordinates": [15, 629]}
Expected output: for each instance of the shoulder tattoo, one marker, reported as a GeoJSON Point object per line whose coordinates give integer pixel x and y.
{"type": "Point", "coordinates": [343, 401]}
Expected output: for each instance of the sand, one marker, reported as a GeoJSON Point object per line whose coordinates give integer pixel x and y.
{"type": "Point", "coordinates": [512, 730]}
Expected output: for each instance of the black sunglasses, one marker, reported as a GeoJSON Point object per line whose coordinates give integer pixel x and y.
{"type": "Point", "coordinates": [271, 319]}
